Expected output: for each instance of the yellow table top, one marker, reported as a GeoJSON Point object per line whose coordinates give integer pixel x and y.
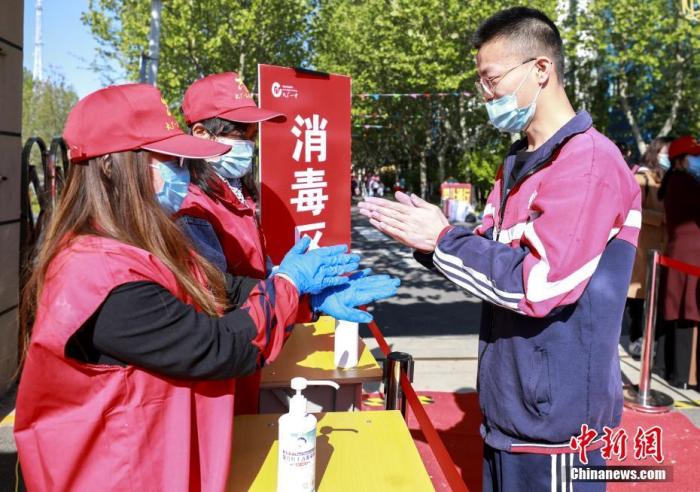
{"type": "Point", "coordinates": [355, 452]}
{"type": "Point", "coordinates": [309, 353]}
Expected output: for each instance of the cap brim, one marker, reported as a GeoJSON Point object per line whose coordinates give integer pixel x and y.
{"type": "Point", "coordinates": [251, 114]}
{"type": "Point", "coordinates": [187, 146]}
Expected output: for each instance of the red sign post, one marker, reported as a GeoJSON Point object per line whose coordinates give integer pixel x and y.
{"type": "Point", "coordinates": [305, 160]}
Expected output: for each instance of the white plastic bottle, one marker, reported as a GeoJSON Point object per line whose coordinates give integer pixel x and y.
{"type": "Point", "coordinates": [346, 342]}
{"type": "Point", "coordinates": [296, 460]}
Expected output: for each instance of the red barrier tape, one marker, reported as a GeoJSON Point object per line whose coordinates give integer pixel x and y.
{"type": "Point", "coordinates": [436, 445]}
{"type": "Point", "coordinates": [679, 265]}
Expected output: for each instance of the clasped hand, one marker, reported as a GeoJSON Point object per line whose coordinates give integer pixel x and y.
{"type": "Point", "coordinates": [410, 220]}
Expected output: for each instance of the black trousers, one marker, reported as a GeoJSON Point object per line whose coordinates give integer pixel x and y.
{"type": "Point", "coordinates": [674, 351]}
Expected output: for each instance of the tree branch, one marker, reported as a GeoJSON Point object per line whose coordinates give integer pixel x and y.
{"type": "Point", "coordinates": [627, 109]}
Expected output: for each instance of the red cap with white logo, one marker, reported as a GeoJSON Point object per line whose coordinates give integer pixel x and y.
{"type": "Point", "coordinates": [130, 117]}
{"type": "Point", "coordinates": [223, 95]}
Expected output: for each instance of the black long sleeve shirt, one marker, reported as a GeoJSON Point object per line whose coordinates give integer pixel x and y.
{"type": "Point", "coordinates": [143, 324]}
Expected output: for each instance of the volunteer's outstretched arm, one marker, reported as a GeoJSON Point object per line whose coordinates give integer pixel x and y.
{"type": "Point", "coordinates": [143, 324]}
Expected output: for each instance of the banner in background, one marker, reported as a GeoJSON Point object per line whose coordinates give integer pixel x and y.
{"type": "Point", "coordinates": [304, 160]}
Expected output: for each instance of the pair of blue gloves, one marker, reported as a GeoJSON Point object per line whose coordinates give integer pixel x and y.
{"type": "Point", "coordinates": [323, 273]}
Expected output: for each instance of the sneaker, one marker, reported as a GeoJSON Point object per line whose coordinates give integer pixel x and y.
{"type": "Point", "coordinates": [635, 349]}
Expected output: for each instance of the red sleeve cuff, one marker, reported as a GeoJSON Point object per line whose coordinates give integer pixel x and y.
{"type": "Point", "coordinates": [443, 232]}
{"type": "Point", "coordinates": [304, 313]}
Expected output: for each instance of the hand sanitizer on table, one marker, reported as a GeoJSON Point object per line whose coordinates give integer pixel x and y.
{"type": "Point", "coordinates": [296, 463]}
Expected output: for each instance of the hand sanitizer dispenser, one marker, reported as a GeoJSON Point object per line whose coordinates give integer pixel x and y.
{"type": "Point", "coordinates": [296, 463]}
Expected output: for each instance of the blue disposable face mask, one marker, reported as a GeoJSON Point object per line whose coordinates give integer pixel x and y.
{"type": "Point", "coordinates": [176, 181]}
{"type": "Point", "coordinates": [664, 162]}
{"type": "Point", "coordinates": [505, 114]}
{"type": "Point", "coordinates": [237, 162]}
{"type": "Point", "coordinates": [694, 166]}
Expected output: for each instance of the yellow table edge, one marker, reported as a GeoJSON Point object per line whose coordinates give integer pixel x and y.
{"type": "Point", "coordinates": [356, 451]}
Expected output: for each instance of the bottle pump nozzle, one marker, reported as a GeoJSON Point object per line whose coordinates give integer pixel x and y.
{"type": "Point", "coordinates": [298, 403]}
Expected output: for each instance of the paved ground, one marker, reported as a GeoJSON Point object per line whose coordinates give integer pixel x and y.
{"type": "Point", "coordinates": [430, 318]}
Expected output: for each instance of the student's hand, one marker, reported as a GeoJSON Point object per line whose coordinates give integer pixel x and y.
{"type": "Point", "coordinates": [312, 271]}
{"type": "Point", "coordinates": [362, 289]}
{"type": "Point", "coordinates": [410, 220]}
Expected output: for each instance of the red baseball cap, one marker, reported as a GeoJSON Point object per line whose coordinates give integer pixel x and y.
{"type": "Point", "coordinates": [683, 145]}
{"type": "Point", "coordinates": [130, 117]}
{"type": "Point", "coordinates": [225, 96]}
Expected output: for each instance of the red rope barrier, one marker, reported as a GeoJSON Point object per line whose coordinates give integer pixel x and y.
{"type": "Point", "coordinates": [679, 265]}
{"type": "Point", "coordinates": [438, 448]}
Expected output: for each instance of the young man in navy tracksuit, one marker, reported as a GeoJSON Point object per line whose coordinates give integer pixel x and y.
{"type": "Point", "coordinates": [552, 259]}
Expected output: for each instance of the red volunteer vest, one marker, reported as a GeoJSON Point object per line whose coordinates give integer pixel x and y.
{"type": "Point", "coordinates": [236, 227]}
{"type": "Point", "coordinates": [85, 427]}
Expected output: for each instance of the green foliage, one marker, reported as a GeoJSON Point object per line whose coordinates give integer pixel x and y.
{"type": "Point", "coordinates": [633, 65]}
{"type": "Point", "coordinates": [45, 106]}
{"type": "Point", "coordinates": [200, 37]}
{"type": "Point", "coordinates": [643, 63]}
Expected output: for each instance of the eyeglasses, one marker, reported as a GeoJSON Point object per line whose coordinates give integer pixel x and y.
{"type": "Point", "coordinates": [486, 86]}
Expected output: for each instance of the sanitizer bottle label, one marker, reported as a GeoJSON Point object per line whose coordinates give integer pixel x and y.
{"type": "Point", "coordinates": [298, 458]}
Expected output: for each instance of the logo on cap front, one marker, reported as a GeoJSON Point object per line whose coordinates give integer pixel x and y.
{"type": "Point", "coordinates": [170, 124]}
{"type": "Point", "coordinates": [242, 90]}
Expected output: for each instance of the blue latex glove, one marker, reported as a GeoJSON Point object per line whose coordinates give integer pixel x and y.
{"type": "Point", "coordinates": [312, 271]}
{"type": "Point", "coordinates": [363, 288]}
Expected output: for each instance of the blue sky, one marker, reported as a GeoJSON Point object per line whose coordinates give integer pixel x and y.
{"type": "Point", "coordinates": [68, 45]}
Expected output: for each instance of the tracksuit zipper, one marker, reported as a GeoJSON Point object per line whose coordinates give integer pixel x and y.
{"type": "Point", "coordinates": [500, 223]}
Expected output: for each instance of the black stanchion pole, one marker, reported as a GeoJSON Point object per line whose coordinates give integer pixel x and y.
{"type": "Point", "coordinates": [393, 394]}
{"type": "Point", "coordinates": [641, 397]}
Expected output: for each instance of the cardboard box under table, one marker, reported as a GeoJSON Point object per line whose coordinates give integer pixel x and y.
{"type": "Point", "coordinates": [309, 353]}
{"type": "Point", "coordinates": [355, 451]}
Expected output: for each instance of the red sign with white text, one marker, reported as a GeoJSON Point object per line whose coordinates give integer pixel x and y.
{"type": "Point", "coordinates": [305, 160]}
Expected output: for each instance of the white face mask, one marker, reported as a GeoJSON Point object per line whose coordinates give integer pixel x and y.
{"type": "Point", "coordinates": [237, 162]}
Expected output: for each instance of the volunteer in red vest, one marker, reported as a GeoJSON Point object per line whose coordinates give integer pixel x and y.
{"type": "Point", "coordinates": [219, 108]}
{"type": "Point", "coordinates": [127, 381]}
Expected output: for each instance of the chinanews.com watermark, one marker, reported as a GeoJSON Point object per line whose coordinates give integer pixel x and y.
{"type": "Point", "coordinates": [621, 474]}
{"type": "Point", "coordinates": [647, 445]}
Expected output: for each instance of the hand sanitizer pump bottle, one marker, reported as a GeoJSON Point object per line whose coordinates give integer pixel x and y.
{"type": "Point", "coordinates": [296, 464]}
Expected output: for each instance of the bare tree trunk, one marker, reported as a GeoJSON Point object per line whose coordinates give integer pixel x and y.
{"type": "Point", "coordinates": [423, 169]}
{"type": "Point", "coordinates": [677, 96]}
{"type": "Point", "coordinates": [631, 119]}
{"type": "Point", "coordinates": [444, 145]}
{"type": "Point", "coordinates": [241, 63]}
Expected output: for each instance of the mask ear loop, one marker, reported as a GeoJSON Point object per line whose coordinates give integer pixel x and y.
{"type": "Point", "coordinates": [538, 91]}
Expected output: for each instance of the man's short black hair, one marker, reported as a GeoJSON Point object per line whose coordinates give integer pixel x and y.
{"type": "Point", "coordinates": [530, 29]}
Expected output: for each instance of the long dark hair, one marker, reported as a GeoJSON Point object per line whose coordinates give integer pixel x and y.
{"type": "Point", "coordinates": [201, 172]}
{"type": "Point", "coordinates": [112, 196]}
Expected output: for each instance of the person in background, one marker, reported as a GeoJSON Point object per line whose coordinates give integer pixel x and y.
{"type": "Point", "coordinates": [135, 340]}
{"type": "Point", "coordinates": [680, 192]}
{"type": "Point", "coordinates": [654, 164]}
{"type": "Point", "coordinates": [626, 152]}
